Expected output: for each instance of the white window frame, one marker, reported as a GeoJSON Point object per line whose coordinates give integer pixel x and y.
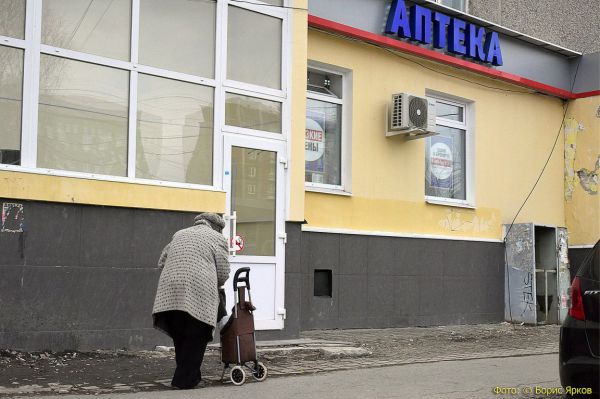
{"type": "Point", "coordinates": [466, 10]}
{"type": "Point", "coordinates": [345, 188]}
{"type": "Point", "coordinates": [33, 49]}
{"type": "Point", "coordinates": [468, 126]}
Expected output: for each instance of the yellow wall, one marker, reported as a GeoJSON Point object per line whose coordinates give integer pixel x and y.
{"type": "Point", "coordinates": [296, 144]}
{"type": "Point", "coordinates": [582, 154]}
{"type": "Point", "coordinates": [30, 186]}
{"type": "Point", "coordinates": [514, 133]}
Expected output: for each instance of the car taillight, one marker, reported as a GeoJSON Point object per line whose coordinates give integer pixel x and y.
{"type": "Point", "coordinates": [576, 308]}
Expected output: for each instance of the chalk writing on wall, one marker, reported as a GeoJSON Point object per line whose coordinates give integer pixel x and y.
{"type": "Point", "coordinates": [13, 217]}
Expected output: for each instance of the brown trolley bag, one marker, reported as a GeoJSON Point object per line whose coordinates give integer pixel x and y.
{"type": "Point", "coordinates": [238, 339]}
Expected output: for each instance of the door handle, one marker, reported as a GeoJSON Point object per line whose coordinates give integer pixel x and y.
{"type": "Point", "coordinates": [233, 233]}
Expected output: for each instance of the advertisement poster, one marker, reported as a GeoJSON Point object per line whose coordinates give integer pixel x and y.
{"type": "Point", "coordinates": [441, 162]}
{"type": "Point", "coordinates": [314, 143]}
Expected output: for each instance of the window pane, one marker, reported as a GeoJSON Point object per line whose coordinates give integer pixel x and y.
{"type": "Point", "coordinates": [254, 48]}
{"type": "Point", "coordinates": [274, 2]}
{"type": "Point", "coordinates": [100, 27]}
{"type": "Point", "coordinates": [82, 117]}
{"type": "Point", "coordinates": [178, 35]}
{"type": "Point", "coordinates": [445, 164]}
{"type": "Point", "coordinates": [12, 18]}
{"type": "Point", "coordinates": [456, 4]}
{"type": "Point", "coordinates": [325, 83]}
{"type": "Point", "coordinates": [323, 142]}
{"type": "Point", "coordinates": [174, 131]}
{"type": "Point", "coordinates": [252, 113]}
{"type": "Point", "coordinates": [11, 100]}
{"type": "Point", "coordinates": [448, 111]}
{"type": "Point", "coordinates": [253, 185]}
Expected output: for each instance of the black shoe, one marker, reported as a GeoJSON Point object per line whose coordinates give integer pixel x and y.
{"type": "Point", "coordinates": [199, 384]}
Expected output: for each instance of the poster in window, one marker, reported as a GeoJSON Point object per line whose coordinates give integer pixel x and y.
{"type": "Point", "coordinates": [314, 142]}
{"type": "Point", "coordinates": [441, 162]}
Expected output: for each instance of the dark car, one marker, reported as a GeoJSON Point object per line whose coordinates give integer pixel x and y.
{"type": "Point", "coordinates": [579, 352]}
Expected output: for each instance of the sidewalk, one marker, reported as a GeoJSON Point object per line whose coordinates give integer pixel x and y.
{"type": "Point", "coordinates": [316, 351]}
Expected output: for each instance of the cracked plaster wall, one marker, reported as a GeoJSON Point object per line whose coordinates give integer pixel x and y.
{"type": "Point", "coordinates": [582, 169]}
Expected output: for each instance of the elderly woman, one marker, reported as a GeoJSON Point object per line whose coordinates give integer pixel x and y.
{"type": "Point", "coordinates": [194, 265]}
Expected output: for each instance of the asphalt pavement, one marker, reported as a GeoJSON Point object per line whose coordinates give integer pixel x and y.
{"type": "Point", "coordinates": [316, 352]}
{"type": "Point", "coordinates": [459, 379]}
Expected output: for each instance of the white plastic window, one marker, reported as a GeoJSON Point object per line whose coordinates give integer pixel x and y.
{"type": "Point", "coordinates": [326, 165]}
{"type": "Point", "coordinates": [11, 101]}
{"type": "Point", "coordinates": [460, 5]}
{"type": "Point", "coordinates": [128, 90]}
{"type": "Point", "coordinates": [448, 155]}
{"type": "Point", "coordinates": [101, 27]}
{"type": "Point", "coordinates": [12, 18]}
{"type": "Point", "coordinates": [254, 48]}
{"type": "Point", "coordinates": [178, 35]}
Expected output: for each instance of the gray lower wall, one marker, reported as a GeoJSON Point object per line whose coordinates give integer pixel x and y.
{"type": "Point", "coordinates": [84, 277]}
{"type": "Point", "coordinates": [397, 282]}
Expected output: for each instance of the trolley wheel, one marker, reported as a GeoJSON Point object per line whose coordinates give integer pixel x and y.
{"type": "Point", "coordinates": [260, 371]}
{"type": "Point", "coordinates": [237, 375]}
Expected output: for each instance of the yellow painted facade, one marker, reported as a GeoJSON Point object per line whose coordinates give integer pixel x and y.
{"type": "Point", "coordinates": [582, 169]}
{"type": "Point", "coordinates": [514, 133]}
{"type": "Point", "coordinates": [296, 141]}
{"type": "Point", "coordinates": [31, 186]}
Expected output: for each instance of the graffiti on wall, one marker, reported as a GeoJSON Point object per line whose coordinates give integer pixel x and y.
{"type": "Point", "coordinates": [527, 291]}
{"type": "Point", "coordinates": [13, 218]}
{"type": "Point", "coordinates": [468, 221]}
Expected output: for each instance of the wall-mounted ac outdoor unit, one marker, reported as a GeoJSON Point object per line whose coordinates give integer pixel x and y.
{"type": "Point", "coordinates": [411, 116]}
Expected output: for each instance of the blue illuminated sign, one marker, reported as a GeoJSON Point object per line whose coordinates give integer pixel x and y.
{"type": "Point", "coordinates": [444, 32]}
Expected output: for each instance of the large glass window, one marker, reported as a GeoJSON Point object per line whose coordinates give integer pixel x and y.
{"type": "Point", "coordinates": [99, 27]}
{"type": "Point", "coordinates": [174, 131]}
{"type": "Point", "coordinates": [323, 135]}
{"type": "Point", "coordinates": [144, 112]}
{"type": "Point", "coordinates": [178, 35]}
{"type": "Point", "coordinates": [446, 154]}
{"type": "Point", "coordinates": [11, 101]}
{"type": "Point", "coordinates": [82, 123]}
{"type": "Point", "coordinates": [254, 48]}
{"type": "Point", "coordinates": [12, 18]}
{"type": "Point", "coordinates": [252, 113]}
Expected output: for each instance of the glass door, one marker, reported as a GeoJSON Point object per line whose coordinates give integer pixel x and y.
{"type": "Point", "coordinates": [254, 182]}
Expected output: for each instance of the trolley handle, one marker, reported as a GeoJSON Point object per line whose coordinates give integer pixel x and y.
{"type": "Point", "coordinates": [237, 279]}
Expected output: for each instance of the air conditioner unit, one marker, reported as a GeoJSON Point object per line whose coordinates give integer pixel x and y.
{"type": "Point", "coordinates": [411, 116]}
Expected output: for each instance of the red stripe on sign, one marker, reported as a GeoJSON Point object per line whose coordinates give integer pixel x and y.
{"type": "Point", "coordinates": [588, 94]}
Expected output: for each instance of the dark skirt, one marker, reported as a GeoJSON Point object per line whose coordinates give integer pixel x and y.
{"type": "Point", "coordinates": [190, 337]}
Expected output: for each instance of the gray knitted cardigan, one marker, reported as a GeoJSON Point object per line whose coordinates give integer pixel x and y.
{"type": "Point", "coordinates": [195, 263]}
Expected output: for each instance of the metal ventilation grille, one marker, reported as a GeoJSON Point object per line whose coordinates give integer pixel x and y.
{"type": "Point", "coordinates": [396, 111]}
{"type": "Point", "coordinates": [417, 112]}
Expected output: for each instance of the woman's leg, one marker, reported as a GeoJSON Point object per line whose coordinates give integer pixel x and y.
{"type": "Point", "coordinates": [190, 345]}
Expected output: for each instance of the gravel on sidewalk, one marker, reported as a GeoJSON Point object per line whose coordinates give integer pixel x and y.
{"type": "Point", "coordinates": [44, 373]}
